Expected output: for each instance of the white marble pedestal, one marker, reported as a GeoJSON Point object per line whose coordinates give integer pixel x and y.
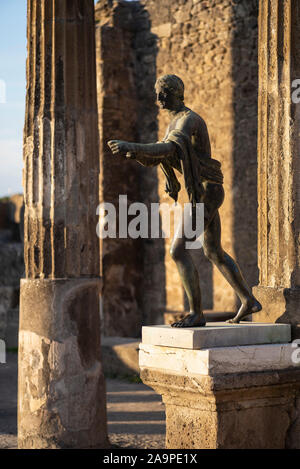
{"type": "Point", "coordinates": [225, 386]}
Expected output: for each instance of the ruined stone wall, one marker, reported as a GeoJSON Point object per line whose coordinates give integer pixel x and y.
{"type": "Point", "coordinates": [12, 267]}
{"type": "Point", "coordinates": [212, 46]}
{"type": "Point", "coordinates": [132, 271]}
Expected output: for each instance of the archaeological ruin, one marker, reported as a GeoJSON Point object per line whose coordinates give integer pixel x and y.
{"type": "Point", "coordinates": [72, 299]}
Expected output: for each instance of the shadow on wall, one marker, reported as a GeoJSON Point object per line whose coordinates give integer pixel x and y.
{"type": "Point", "coordinates": [145, 48]}
{"type": "Point", "coordinates": [245, 79]}
{"type": "Point", "coordinates": [132, 269]}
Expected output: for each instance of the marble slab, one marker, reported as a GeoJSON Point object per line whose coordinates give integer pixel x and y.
{"type": "Point", "coordinates": [219, 334]}
{"type": "Point", "coordinates": [220, 360]}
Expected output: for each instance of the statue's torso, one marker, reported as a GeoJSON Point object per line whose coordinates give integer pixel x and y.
{"type": "Point", "coordinates": [194, 126]}
{"type": "Point", "coordinates": [197, 165]}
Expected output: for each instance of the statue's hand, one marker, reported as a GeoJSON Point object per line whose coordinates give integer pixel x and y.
{"type": "Point", "coordinates": [119, 146]}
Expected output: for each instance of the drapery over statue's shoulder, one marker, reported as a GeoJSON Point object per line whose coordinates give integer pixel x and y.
{"type": "Point", "coordinates": [195, 168]}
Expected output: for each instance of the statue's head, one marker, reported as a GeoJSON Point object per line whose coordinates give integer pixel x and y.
{"type": "Point", "coordinates": [170, 91]}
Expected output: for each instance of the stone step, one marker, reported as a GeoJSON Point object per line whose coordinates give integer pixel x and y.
{"type": "Point", "coordinates": [220, 360]}
{"type": "Point", "coordinates": [120, 356]}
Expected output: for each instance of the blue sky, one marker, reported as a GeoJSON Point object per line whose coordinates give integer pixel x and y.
{"type": "Point", "coordinates": [12, 73]}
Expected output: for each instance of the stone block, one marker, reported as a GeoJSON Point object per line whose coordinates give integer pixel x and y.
{"type": "Point", "coordinates": [216, 335]}
{"type": "Point", "coordinates": [219, 360]}
{"type": "Point", "coordinates": [225, 397]}
{"type": "Point", "coordinates": [182, 15]}
{"type": "Point", "coordinates": [120, 356]}
{"type": "Point", "coordinates": [235, 410]}
{"type": "Point", "coordinates": [163, 30]}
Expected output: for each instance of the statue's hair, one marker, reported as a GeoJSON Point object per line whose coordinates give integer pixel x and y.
{"type": "Point", "coordinates": [173, 83]}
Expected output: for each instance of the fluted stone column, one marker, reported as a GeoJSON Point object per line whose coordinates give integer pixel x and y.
{"type": "Point", "coordinates": [279, 163]}
{"type": "Point", "coordinates": [61, 401]}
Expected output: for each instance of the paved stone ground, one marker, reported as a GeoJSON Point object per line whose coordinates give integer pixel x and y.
{"type": "Point", "coordinates": [136, 417]}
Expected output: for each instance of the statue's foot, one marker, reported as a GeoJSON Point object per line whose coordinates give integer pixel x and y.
{"type": "Point", "coordinates": [252, 306]}
{"type": "Point", "coordinates": [191, 320]}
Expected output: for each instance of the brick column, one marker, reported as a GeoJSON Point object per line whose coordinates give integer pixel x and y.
{"type": "Point", "coordinates": [278, 163]}
{"type": "Point", "coordinates": [61, 401]}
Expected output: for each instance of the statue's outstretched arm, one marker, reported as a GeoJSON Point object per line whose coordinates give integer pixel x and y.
{"type": "Point", "coordinates": [149, 150]}
{"type": "Point", "coordinates": [147, 161]}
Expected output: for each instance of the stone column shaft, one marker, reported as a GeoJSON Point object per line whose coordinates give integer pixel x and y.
{"type": "Point", "coordinates": [61, 401]}
{"type": "Point", "coordinates": [278, 162]}
{"type": "Point", "coordinates": [61, 167]}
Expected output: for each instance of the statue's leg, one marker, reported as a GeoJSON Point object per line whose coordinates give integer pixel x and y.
{"type": "Point", "coordinates": [229, 268]}
{"type": "Point", "coordinates": [185, 265]}
{"type": "Point", "coordinates": [190, 280]}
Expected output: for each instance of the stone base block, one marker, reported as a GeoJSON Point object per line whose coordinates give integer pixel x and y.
{"type": "Point", "coordinates": [216, 335]}
{"type": "Point", "coordinates": [280, 305]}
{"type": "Point", "coordinates": [220, 360]}
{"type": "Point", "coordinates": [235, 397]}
{"type": "Point", "coordinates": [258, 410]}
{"type": "Point", "coordinates": [61, 388]}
